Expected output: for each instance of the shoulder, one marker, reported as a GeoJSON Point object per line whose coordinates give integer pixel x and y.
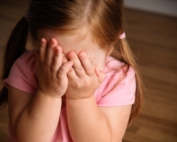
{"type": "Point", "coordinates": [119, 86]}
{"type": "Point", "coordinates": [116, 69]}
{"type": "Point", "coordinates": [26, 60]}
{"type": "Point", "coordinates": [22, 74]}
{"type": "Point", "coordinates": [25, 64]}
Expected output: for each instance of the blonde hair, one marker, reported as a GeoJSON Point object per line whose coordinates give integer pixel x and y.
{"type": "Point", "coordinates": [103, 18]}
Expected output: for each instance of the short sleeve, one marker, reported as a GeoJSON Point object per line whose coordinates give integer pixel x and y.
{"type": "Point", "coordinates": [22, 73]}
{"type": "Point", "coordinates": [117, 93]}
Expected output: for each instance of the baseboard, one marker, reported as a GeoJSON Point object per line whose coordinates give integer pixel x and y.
{"type": "Point", "coordinates": [167, 7]}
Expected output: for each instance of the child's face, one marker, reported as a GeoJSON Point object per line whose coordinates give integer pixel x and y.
{"type": "Point", "coordinates": [77, 42]}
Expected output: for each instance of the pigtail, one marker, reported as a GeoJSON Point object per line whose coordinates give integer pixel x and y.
{"type": "Point", "coordinates": [14, 48]}
{"type": "Point", "coordinates": [129, 59]}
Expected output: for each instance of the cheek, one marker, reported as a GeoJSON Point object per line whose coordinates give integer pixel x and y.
{"type": "Point", "coordinates": [99, 58]}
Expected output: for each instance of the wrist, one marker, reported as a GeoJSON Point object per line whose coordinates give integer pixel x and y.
{"type": "Point", "coordinates": [77, 98]}
{"type": "Point", "coordinates": [78, 95]}
{"type": "Point", "coordinates": [48, 95]}
{"type": "Point", "coordinates": [68, 99]}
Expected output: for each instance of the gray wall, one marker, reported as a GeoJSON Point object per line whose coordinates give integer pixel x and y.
{"type": "Point", "coordinates": [168, 7]}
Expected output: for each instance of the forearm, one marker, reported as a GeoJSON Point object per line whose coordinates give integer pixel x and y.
{"type": "Point", "coordinates": [86, 122]}
{"type": "Point", "coordinates": [38, 121]}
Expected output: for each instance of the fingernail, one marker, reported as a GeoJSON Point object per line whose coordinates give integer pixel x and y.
{"type": "Point", "coordinates": [71, 54]}
{"type": "Point", "coordinates": [82, 53]}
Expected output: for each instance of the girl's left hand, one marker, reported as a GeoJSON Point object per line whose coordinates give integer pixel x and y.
{"type": "Point", "coordinates": [84, 78]}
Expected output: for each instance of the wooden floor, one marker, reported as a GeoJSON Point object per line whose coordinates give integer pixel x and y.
{"type": "Point", "coordinates": [153, 39]}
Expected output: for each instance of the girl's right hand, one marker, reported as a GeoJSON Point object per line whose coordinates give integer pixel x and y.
{"type": "Point", "coordinates": [51, 72]}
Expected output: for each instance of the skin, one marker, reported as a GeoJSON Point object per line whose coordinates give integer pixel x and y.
{"type": "Point", "coordinates": [70, 68]}
{"type": "Point", "coordinates": [77, 41]}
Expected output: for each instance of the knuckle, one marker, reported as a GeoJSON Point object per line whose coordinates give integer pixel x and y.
{"type": "Point", "coordinates": [60, 74]}
{"type": "Point", "coordinates": [83, 83]}
{"type": "Point", "coordinates": [78, 69]}
{"type": "Point", "coordinates": [77, 84]}
{"type": "Point", "coordinates": [62, 71]}
{"type": "Point", "coordinates": [54, 66]}
{"type": "Point", "coordinates": [86, 83]}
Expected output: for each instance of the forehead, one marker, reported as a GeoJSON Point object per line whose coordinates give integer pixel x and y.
{"type": "Point", "coordinates": [79, 40]}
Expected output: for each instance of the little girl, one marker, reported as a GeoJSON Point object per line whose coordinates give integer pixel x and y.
{"type": "Point", "coordinates": [80, 83]}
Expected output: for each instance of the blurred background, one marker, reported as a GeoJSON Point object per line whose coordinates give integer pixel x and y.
{"type": "Point", "coordinates": [151, 28]}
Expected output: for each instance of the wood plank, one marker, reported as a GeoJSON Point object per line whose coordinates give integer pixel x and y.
{"type": "Point", "coordinates": [153, 39]}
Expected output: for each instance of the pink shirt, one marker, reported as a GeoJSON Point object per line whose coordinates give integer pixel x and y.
{"type": "Point", "coordinates": [22, 76]}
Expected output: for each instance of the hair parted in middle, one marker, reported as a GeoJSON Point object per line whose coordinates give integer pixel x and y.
{"type": "Point", "coordinates": [102, 18]}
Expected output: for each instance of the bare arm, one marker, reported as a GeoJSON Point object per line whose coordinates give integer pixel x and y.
{"type": "Point", "coordinates": [87, 122]}
{"type": "Point", "coordinates": [34, 118]}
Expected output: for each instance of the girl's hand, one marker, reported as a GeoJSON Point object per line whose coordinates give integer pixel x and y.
{"type": "Point", "coordinates": [51, 73]}
{"type": "Point", "coordinates": [84, 78]}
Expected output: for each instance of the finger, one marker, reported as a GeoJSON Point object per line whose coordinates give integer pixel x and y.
{"type": "Point", "coordinates": [72, 75]}
{"type": "Point", "coordinates": [87, 65]}
{"type": "Point", "coordinates": [76, 64]}
{"type": "Point", "coordinates": [65, 69]}
{"type": "Point", "coordinates": [57, 59]}
{"type": "Point", "coordinates": [42, 49]}
{"type": "Point", "coordinates": [50, 51]}
{"type": "Point", "coordinates": [64, 59]}
{"type": "Point", "coordinates": [100, 75]}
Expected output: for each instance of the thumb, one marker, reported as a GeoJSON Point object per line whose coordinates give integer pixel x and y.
{"type": "Point", "coordinates": [100, 74]}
